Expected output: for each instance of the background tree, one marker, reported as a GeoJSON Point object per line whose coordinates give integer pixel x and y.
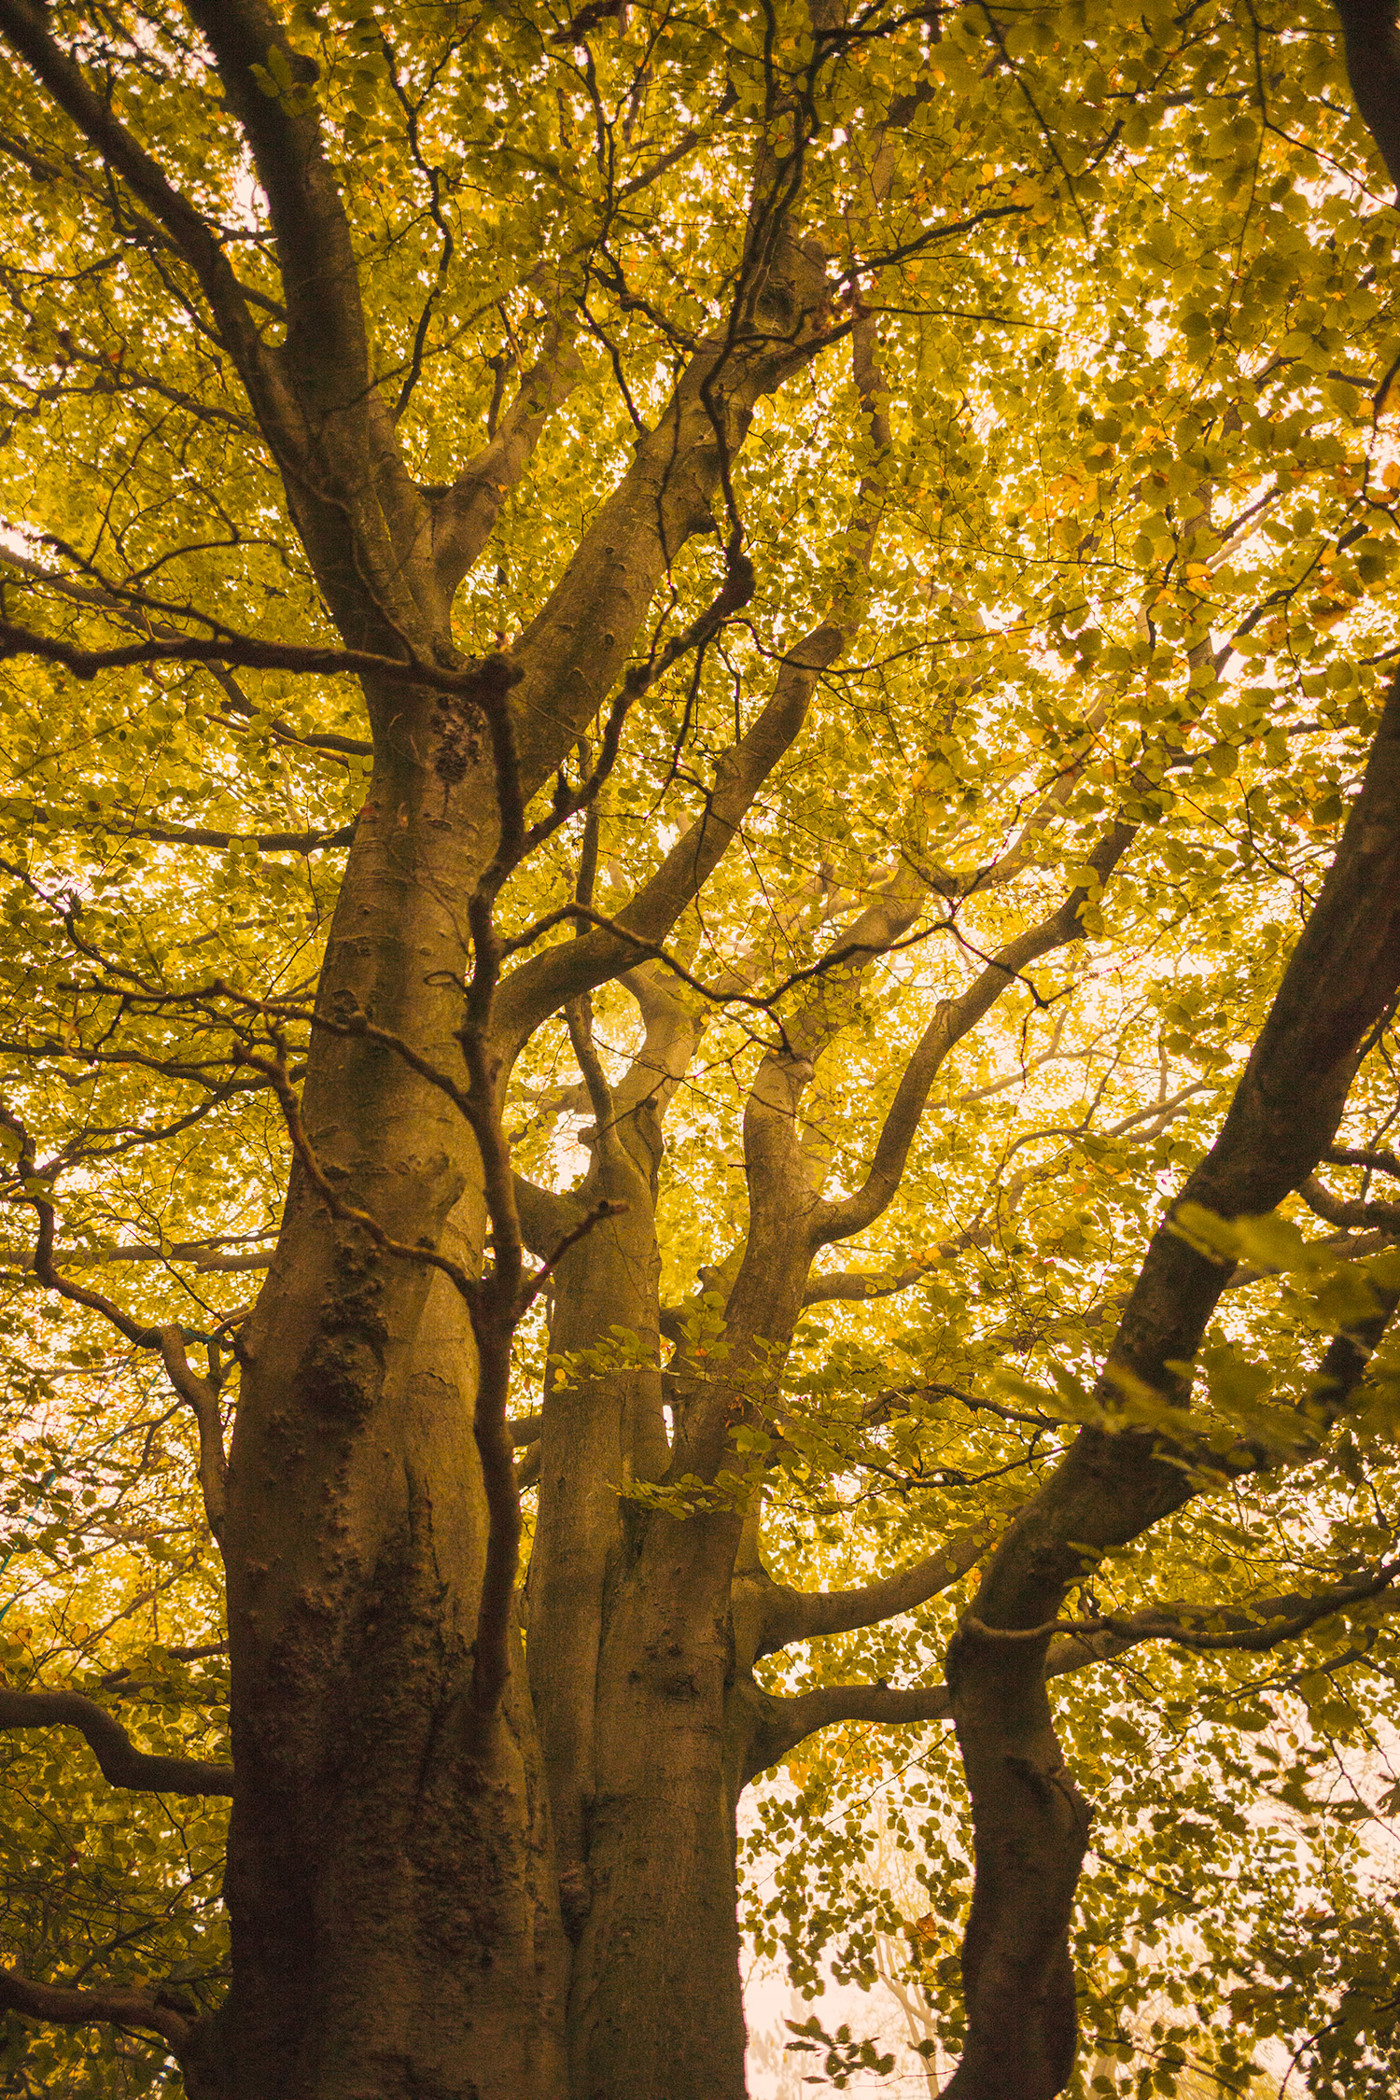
{"type": "Point", "coordinates": [641, 647]}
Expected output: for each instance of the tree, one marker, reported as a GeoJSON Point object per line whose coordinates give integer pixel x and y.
{"type": "Point", "coordinates": [676, 602]}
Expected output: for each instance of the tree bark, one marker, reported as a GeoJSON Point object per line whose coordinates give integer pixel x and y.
{"type": "Point", "coordinates": [656, 2008]}
{"type": "Point", "coordinates": [390, 1881]}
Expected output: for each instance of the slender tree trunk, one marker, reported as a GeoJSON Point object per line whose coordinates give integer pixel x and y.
{"type": "Point", "coordinates": [1031, 1828]}
{"type": "Point", "coordinates": [611, 1277]}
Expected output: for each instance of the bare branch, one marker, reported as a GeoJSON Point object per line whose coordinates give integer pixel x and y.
{"type": "Point", "coordinates": [1377, 1162]}
{"type": "Point", "coordinates": [781, 1724]}
{"type": "Point", "coordinates": [1347, 1211]}
{"type": "Point", "coordinates": [539, 987]}
{"type": "Point", "coordinates": [201, 1396]}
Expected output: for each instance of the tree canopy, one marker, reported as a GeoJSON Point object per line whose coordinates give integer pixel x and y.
{"type": "Point", "coordinates": [701, 885]}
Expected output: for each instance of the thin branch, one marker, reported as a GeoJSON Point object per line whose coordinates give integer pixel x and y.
{"type": "Point", "coordinates": [248, 652]}
{"type": "Point", "coordinates": [539, 987]}
{"type": "Point", "coordinates": [26, 30]}
{"type": "Point", "coordinates": [464, 515]}
{"type": "Point", "coordinates": [952, 1020]}
{"type": "Point", "coordinates": [782, 1723]}
{"type": "Point", "coordinates": [202, 1398]}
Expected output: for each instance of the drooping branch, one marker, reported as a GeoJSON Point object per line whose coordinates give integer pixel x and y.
{"type": "Point", "coordinates": [121, 1763]}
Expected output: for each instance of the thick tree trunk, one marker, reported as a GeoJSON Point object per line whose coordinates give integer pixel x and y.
{"type": "Point", "coordinates": [391, 1876]}
{"type": "Point", "coordinates": [390, 1880]}
{"type": "Point", "coordinates": [631, 1650]}
{"type": "Point", "coordinates": [656, 2009]}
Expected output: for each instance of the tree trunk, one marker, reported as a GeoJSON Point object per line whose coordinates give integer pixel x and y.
{"type": "Point", "coordinates": [656, 2009]}
{"type": "Point", "coordinates": [390, 1880]}
{"type": "Point", "coordinates": [1031, 1827]}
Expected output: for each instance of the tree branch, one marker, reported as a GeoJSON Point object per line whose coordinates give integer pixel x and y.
{"type": "Point", "coordinates": [464, 515]}
{"type": "Point", "coordinates": [953, 1019]}
{"type": "Point", "coordinates": [1376, 1162]}
{"type": "Point", "coordinates": [121, 1763]}
{"type": "Point", "coordinates": [1253, 1627]}
{"type": "Point", "coordinates": [201, 1396]}
{"type": "Point", "coordinates": [782, 1723]}
{"type": "Point", "coordinates": [539, 987]}
{"type": "Point", "coordinates": [574, 651]}
{"type": "Point", "coordinates": [25, 29]}
{"type": "Point", "coordinates": [798, 1615]}
{"type": "Point", "coordinates": [66, 2008]}
{"type": "Point", "coordinates": [235, 700]}
{"type": "Point", "coordinates": [326, 341]}
{"type": "Point", "coordinates": [1347, 1211]}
